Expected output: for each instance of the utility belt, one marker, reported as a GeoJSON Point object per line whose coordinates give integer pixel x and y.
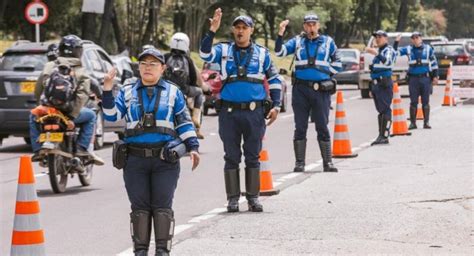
{"type": "Point", "coordinates": [251, 106]}
{"type": "Point", "coordinates": [383, 81]}
{"type": "Point", "coordinates": [322, 86]}
{"type": "Point", "coordinates": [419, 75]}
{"type": "Point", "coordinates": [170, 151]}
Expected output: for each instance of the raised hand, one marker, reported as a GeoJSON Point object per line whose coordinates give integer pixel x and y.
{"type": "Point", "coordinates": [283, 25]}
{"type": "Point", "coordinates": [109, 79]}
{"type": "Point", "coordinates": [216, 20]}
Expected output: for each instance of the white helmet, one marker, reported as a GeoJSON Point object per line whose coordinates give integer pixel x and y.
{"type": "Point", "coordinates": [180, 41]}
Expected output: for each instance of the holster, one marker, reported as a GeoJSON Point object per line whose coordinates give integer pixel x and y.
{"type": "Point", "coordinates": [119, 154]}
{"type": "Point", "coordinates": [385, 81]}
{"type": "Point", "coordinates": [328, 86]}
{"type": "Point", "coordinates": [267, 106]}
{"type": "Point", "coordinates": [218, 105]}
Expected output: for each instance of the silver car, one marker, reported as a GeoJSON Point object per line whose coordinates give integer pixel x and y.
{"type": "Point", "coordinates": [350, 59]}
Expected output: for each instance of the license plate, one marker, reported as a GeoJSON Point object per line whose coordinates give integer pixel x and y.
{"type": "Point", "coordinates": [27, 87]}
{"type": "Point", "coordinates": [395, 77]}
{"type": "Point", "coordinates": [51, 137]}
{"type": "Point", "coordinates": [445, 62]}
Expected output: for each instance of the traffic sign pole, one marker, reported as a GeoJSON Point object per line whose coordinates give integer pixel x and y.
{"type": "Point", "coordinates": [37, 28]}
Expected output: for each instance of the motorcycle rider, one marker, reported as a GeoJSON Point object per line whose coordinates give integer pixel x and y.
{"type": "Point", "coordinates": [70, 52]}
{"type": "Point", "coordinates": [182, 71]}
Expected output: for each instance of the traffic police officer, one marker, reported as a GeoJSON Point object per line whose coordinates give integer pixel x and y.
{"type": "Point", "coordinates": [316, 61]}
{"type": "Point", "coordinates": [244, 65]}
{"type": "Point", "coordinates": [422, 74]}
{"type": "Point", "coordinates": [156, 113]}
{"type": "Point", "coordinates": [381, 84]}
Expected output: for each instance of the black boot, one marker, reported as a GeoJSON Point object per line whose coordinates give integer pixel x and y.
{"type": "Point", "coordinates": [164, 229]}
{"type": "Point", "coordinates": [426, 114]}
{"type": "Point", "coordinates": [232, 188]}
{"type": "Point", "coordinates": [140, 227]}
{"type": "Point", "coordinates": [386, 124]}
{"type": "Point", "coordinates": [299, 147]}
{"type": "Point", "coordinates": [252, 188]}
{"type": "Point", "coordinates": [412, 118]}
{"type": "Point", "coordinates": [326, 154]}
{"type": "Point", "coordinates": [379, 138]}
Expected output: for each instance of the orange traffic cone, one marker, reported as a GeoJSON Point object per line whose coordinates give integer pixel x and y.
{"type": "Point", "coordinates": [448, 89]}
{"type": "Point", "coordinates": [27, 237]}
{"type": "Point", "coordinates": [399, 121]}
{"type": "Point", "coordinates": [341, 147]}
{"type": "Point", "coordinates": [266, 179]}
{"type": "Point", "coordinates": [419, 110]}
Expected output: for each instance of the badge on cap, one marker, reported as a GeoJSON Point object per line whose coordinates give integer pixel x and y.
{"type": "Point", "coordinates": [316, 86]}
{"type": "Point", "coordinates": [252, 105]}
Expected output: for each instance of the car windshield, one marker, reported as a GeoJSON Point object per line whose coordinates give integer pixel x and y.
{"type": "Point", "coordinates": [449, 49]}
{"type": "Point", "coordinates": [21, 60]}
{"type": "Point", "coordinates": [348, 54]}
{"type": "Point", "coordinates": [404, 41]}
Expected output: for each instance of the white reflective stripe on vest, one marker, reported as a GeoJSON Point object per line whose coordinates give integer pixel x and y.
{"type": "Point", "coordinates": [224, 56]}
{"type": "Point", "coordinates": [257, 76]}
{"type": "Point", "coordinates": [261, 60]}
{"type": "Point", "coordinates": [171, 102]}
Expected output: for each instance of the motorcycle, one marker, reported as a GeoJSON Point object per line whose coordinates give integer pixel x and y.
{"type": "Point", "coordinates": [59, 151]}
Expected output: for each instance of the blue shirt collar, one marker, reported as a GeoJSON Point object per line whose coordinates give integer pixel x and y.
{"type": "Point", "coordinates": [160, 83]}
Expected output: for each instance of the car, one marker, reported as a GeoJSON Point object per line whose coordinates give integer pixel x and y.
{"type": "Point", "coordinates": [432, 39]}
{"type": "Point", "coordinates": [123, 64]}
{"type": "Point", "coordinates": [350, 59]}
{"type": "Point", "coordinates": [210, 74]}
{"type": "Point", "coordinates": [469, 42]}
{"type": "Point", "coordinates": [400, 68]}
{"type": "Point", "coordinates": [455, 52]}
{"type": "Point", "coordinates": [22, 64]}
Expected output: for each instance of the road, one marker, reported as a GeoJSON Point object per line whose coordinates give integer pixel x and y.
{"type": "Point", "coordinates": [94, 220]}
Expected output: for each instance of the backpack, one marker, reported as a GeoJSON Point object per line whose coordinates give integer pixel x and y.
{"type": "Point", "coordinates": [177, 71]}
{"type": "Point", "coordinates": [60, 89]}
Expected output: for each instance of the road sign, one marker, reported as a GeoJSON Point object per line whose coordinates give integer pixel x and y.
{"type": "Point", "coordinates": [463, 72]}
{"type": "Point", "coordinates": [36, 12]}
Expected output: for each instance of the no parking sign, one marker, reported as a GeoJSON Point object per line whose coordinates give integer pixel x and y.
{"type": "Point", "coordinates": [36, 13]}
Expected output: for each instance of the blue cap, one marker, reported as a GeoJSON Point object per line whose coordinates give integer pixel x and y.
{"type": "Point", "coordinates": [380, 33]}
{"type": "Point", "coordinates": [245, 19]}
{"type": "Point", "coordinates": [152, 52]}
{"type": "Point", "coordinates": [311, 18]}
{"type": "Point", "coordinates": [415, 34]}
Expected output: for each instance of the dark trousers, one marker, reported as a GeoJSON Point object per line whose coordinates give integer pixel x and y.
{"type": "Point", "coordinates": [306, 100]}
{"type": "Point", "coordinates": [419, 86]}
{"type": "Point", "coordinates": [237, 125]}
{"type": "Point", "coordinates": [383, 95]}
{"type": "Point", "coordinates": [150, 182]}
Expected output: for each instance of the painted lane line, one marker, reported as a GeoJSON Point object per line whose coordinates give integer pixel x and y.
{"type": "Point", "coordinates": [180, 228]}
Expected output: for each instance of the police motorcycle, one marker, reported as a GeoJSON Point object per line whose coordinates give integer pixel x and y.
{"type": "Point", "coordinates": [59, 149]}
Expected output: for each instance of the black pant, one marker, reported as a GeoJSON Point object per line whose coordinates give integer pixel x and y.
{"type": "Point", "coordinates": [150, 182]}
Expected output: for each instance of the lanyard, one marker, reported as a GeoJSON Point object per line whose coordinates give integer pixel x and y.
{"type": "Point", "coordinates": [248, 56]}
{"type": "Point", "coordinates": [316, 52]}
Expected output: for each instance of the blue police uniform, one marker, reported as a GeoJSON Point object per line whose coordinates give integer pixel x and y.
{"type": "Point", "coordinates": [316, 61]}
{"type": "Point", "coordinates": [243, 97]}
{"type": "Point", "coordinates": [382, 87]}
{"type": "Point", "coordinates": [423, 66]}
{"type": "Point", "coordinates": [150, 181]}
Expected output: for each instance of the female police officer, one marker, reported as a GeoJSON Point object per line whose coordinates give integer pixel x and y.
{"type": "Point", "coordinates": [156, 113]}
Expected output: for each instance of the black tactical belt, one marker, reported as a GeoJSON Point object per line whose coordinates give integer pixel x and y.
{"type": "Point", "coordinates": [145, 150]}
{"type": "Point", "coordinates": [242, 106]}
{"type": "Point", "coordinates": [140, 131]}
{"type": "Point", "coordinates": [245, 79]}
{"type": "Point", "coordinates": [420, 75]}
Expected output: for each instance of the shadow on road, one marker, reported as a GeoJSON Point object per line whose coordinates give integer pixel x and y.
{"type": "Point", "coordinates": [70, 191]}
{"type": "Point", "coordinates": [24, 148]}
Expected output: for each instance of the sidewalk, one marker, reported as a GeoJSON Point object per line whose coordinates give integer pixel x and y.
{"type": "Point", "coordinates": [412, 197]}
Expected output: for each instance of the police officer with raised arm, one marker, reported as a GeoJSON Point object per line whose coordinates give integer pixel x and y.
{"type": "Point", "coordinates": [159, 130]}
{"type": "Point", "coordinates": [316, 61]}
{"type": "Point", "coordinates": [381, 84]}
{"type": "Point", "coordinates": [243, 105]}
{"type": "Point", "coordinates": [422, 74]}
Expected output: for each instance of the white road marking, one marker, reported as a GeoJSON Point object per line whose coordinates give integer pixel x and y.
{"type": "Point", "coordinates": [354, 98]}
{"type": "Point", "coordinates": [213, 134]}
{"type": "Point", "coordinates": [40, 175]}
{"type": "Point", "coordinates": [287, 116]}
